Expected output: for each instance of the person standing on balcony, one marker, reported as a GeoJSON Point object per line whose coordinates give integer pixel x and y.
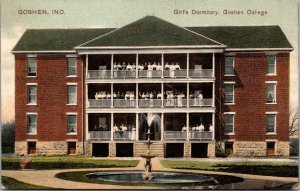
{"type": "Point", "coordinates": [133, 66]}
{"type": "Point", "coordinates": [128, 67]}
{"type": "Point", "coordinates": [167, 66]}
{"type": "Point", "coordinates": [159, 95]}
{"type": "Point", "coordinates": [154, 66]}
{"type": "Point", "coordinates": [141, 67]}
{"type": "Point", "coordinates": [123, 66]}
{"type": "Point", "coordinates": [158, 67]}
{"type": "Point", "coordinates": [96, 96]}
{"type": "Point", "coordinates": [200, 98]}
{"type": "Point", "coordinates": [131, 98]}
{"type": "Point", "coordinates": [177, 67]}
{"type": "Point", "coordinates": [151, 99]}
{"type": "Point", "coordinates": [150, 68]}
{"type": "Point", "coordinates": [172, 70]}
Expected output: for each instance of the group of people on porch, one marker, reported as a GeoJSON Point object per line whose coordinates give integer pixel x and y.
{"type": "Point", "coordinates": [198, 128]}
{"type": "Point", "coordinates": [172, 97]}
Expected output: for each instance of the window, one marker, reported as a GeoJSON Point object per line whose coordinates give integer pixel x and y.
{"type": "Point", "coordinates": [31, 94]}
{"type": "Point", "coordinates": [31, 146]}
{"type": "Point", "coordinates": [229, 93]}
{"type": "Point", "coordinates": [71, 66]}
{"type": "Point", "coordinates": [72, 123]}
{"type": "Point", "coordinates": [72, 94]}
{"type": "Point", "coordinates": [71, 148]}
{"type": "Point", "coordinates": [31, 66]}
{"type": "Point", "coordinates": [271, 92]}
{"type": "Point", "coordinates": [270, 148]}
{"type": "Point", "coordinates": [271, 123]}
{"type": "Point", "coordinates": [228, 148]}
{"type": "Point", "coordinates": [31, 123]}
{"type": "Point", "coordinates": [271, 69]}
{"type": "Point", "coordinates": [229, 66]}
{"type": "Point", "coordinates": [229, 122]}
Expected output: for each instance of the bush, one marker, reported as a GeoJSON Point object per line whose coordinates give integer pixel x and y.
{"type": "Point", "coordinates": [8, 137]}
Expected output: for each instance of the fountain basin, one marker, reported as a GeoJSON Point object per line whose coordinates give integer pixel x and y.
{"type": "Point", "coordinates": [159, 177]}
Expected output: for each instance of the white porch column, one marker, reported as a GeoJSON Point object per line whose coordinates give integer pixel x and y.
{"type": "Point", "coordinates": [136, 66]}
{"type": "Point", "coordinates": [87, 134]}
{"type": "Point", "coordinates": [188, 94]}
{"type": "Point", "coordinates": [187, 126]}
{"type": "Point", "coordinates": [187, 65]}
{"type": "Point", "coordinates": [112, 126]}
{"type": "Point", "coordinates": [213, 95]}
{"type": "Point", "coordinates": [87, 65]}
{"type": "Point", "coordinates": [162, 65]}
{"type": "Point", "coordinates": [112, 67]}
{"type": "Point", "coordinates": [86, 85]}
{"type": "Point", "coordinates": [136, 95]}
{"type": "Point", "coordinates": [112, 95]}
{"type": "Point", "coordinates": [162, 94]}
{"type": "Point", "coordinates": [213, 124]}
{"type": "Point", "coordinates": [162, 126]}
{"type": "Point", "coordinates": [213, 65]}
{"type": "Point", "coordinates": [137, 128]}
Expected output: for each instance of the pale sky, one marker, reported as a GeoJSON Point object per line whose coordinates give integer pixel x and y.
{"type": "Point", "coordinates": [107, 13]}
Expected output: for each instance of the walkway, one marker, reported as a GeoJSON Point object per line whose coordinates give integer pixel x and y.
{"type": "Point", "coordinates": [47, 178]}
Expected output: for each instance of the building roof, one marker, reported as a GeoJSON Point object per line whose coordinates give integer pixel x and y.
{"type": "Point", "coordinates": [246, 36]}
{"type": "Point", "coordinates": [56, 39]}
{"type": "Point", "coordinates": [152, 31]}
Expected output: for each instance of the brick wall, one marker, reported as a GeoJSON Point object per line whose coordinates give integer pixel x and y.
{"type": "Point", "coordinates": [51, 105]}
{"type": "Point", "coordinates": [250, 97]}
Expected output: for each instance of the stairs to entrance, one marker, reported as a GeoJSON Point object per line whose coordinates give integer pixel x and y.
{"type": "Point", "coordinates": [156, 148]}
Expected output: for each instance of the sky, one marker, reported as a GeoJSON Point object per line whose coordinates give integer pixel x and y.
{"type": "Point", "coordinates": [115, 14]}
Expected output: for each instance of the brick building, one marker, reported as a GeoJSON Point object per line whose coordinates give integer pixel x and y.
{"type": "Point", "coordinates": [202, 91]}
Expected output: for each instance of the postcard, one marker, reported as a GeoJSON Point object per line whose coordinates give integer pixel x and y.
{"type": "Point", "coordinates": [132, 94]}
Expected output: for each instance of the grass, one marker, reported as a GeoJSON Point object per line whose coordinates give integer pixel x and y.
{"type": "Point", "coordinates": [13, 184]}
{"type": "Point", "coordinates": [39, 163]}
{"type": "Point", "coordinates": [80, 176]}
{"type": "Point", "coordinates": [259, 168]}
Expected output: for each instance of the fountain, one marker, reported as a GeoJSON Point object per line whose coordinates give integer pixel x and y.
{"type": "Point", "coordinates": [147, 176]}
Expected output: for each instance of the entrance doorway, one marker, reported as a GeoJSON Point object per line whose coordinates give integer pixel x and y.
{"type": "Point", "coordinates": [174, 150]}
{"type": "Point", "coordinates": [228, 148]}
{"type": "Point", "coordinates": [100, 150]}
{"type": "Point", "coordinates": [124, 149]}
{"type": "Point", "coordinates": [199, 150]}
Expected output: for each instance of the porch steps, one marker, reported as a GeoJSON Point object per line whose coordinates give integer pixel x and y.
{"type": "Point", "coordinates": [156, 148]}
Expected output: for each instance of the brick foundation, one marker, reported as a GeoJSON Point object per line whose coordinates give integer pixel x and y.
{"type": "Point", "coordinates": [48, 148]}
{"type": "Point", "coordinates": [187, 149]}
{"type": "Point", "coordinates": [211, 150]}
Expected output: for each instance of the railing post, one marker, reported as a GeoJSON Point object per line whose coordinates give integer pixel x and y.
{"type": "Point", "coordinates": [162, 126]}
{"type": "Point", "coordinates": [112, 67]}
{"type": "Point", "coordinates": [213, 97]}
{"type": "Point", "coordinates": [112, 127]}
{"type": "Point", "coordinates": [188, 94]}
{"type": "Point", "coordinates": [112, 95]}
{"type": "Point", "coordinates": [136, 66]}
{"type": "Point", "coordinates": [188, 65]}
{"type": "Point", "coordinates": [213, 65]}
{"type": "Point", "coordinates": [213, 125]}
{"type": "Point", "coordinates": [187, 126]}
{"type": "Point", "coordinates": [162, 65]}
{"type": "Point", "coordinates": [136, 95]}
{"type": "Point", "coordinates": [137, 126]}
{"type": "Point", "coordinates": [162, 95]}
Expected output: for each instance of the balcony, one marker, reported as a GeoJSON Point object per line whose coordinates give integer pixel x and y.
{"type": "Point", "coordinates": [129, 74]}
{"type": "Point", "coordinates": [175, 135]}
{"type": "Point", "coordinates": [121, 103]}
{"type": "Point", "coordinates": [156, 103]}
{"type": "Point", "coordinates": [102, 103]}
{"type": "Point", "coordinates": [124, 135]}
{"type": "Point", "coordinates": [99, 135]}
{"type": "Point", "coordinates": [200, 135]}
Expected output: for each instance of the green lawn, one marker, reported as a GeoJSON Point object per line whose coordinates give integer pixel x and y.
{"type": "Point", "coordinates": [259, 168]}
{"type": "Point", "coordinates": [12, 163]}
{"type": "Point", "coordinates": [13, 184]}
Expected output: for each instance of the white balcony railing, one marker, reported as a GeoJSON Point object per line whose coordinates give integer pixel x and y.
{"type": "Point", "coordinates": [175, 73]}
{"type": "Point", "coordinates": [175, 102]}
{"type": "Point", "coordinates": [99, 135]}
{"type": "Point", "coordinates": [175, 135]}
{"type": "Point", "coordinates": [99, 74]}
{"type": "Point", "coordinates": [123, 74]}
{"type": "Point", "coordinates": [201, 73]}
{"type": "Point", "coordinates": [150, 73]}
{"type": "Point", "coordinates": [150, 103]}
{"type": "Point", "coordinates": [124, 135]}
{"type": "Point", "coordinates": [200, 135]}
{"type": "Point", "coordinates": [195, 102]}
{"type": "Point", "coordinates": [124, 103]}
{"type": "Point", "coordinates": [102, 103]}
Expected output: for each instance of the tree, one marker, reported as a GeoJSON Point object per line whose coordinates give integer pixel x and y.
{"type": "Point", "coordinates": [293, 127]}
{"type": "Point", "coordinates": [8, 137]}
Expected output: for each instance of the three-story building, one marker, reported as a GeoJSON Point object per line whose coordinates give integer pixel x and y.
{"type": "Point", "coordinates": [200, 90]}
